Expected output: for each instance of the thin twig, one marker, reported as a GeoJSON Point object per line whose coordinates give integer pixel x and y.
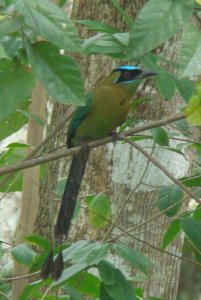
{"type": "Point", "coordinates": [19, 277]}
{"type": "Point", "coordinates": [128, 197]}
{"type": "Point", "coordinates": [164, 170]}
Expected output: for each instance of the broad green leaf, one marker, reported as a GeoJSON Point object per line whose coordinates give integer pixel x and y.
{"type": "Point", "coordinates": [171, 232]}
{"type": "Point", "coordinates": [69, 272]}
{"type": "Point", "coordinates": [91, 254]}
{"type": "Point", "coordinates": [174, 150]}
{"type": "Point", "coordinates": [9, 24]}
{"type": "Point", "coordinates": [193, 110]}
{"type": "Point", "coordinates": [101, 43]}
{"type": "Point", "coordinates": [183, 127]}
{"type": "Point", "coordinates": [98, 26]}
{"type": "Point", "coordinates": [13, 122]}
{"type": "Point", "coordinates": [14, 153]}
{"type": "Point", "coordinates": [170, 199]}
{"type": "Point", "coordinates": [39, 241]}
{"type": "Point", "coordinates": [190, 52]}
{"type": "Point", "coordinates": [192, 229]}
{"type": "Point", "coordinates": [72, 292]}
{"type": "Point", "coordinates": [156, 23]}
{"type": "Point", "coordinates": [89, 284]}
{"type": "Point", "coordinates": [107, 272]}
{"type": "Point", "coordinates": [103, 293]}
{"type": "Point", "coordinates": [38, 262]}
{"type": "Point", "coordinates": [190, 181]}
{"type": "Point", "coordinates": [2, 52]}
{"type": "Point", "coordinates": [165, 81]}
{"type": "Point", "coordinates": [50, 22]}
{"type": "Point", "coordinates": [12, 45]}
{"type": "Point", "coordinates": [16, 84]}
{"type": "Point", "coordinates": [160, 136]}
{"type": "Point", "coordinates": [31, 116]}
{"type": "Point", "coordinates": [31, 287]}
{"type": "Point", "coordinates": [185, 87]}
{"type": "Point", "coordinates": [134, 257]}
{"type": "Point", "coordinates": [59, 74]}
{"type": "Point", "coordinates": [69, 252]}
{"type": "Point", "coordinates": [99, 211]}
{"type": "Point", "coordinates": [117, 287]}
{"type": "Point", "coordinates": [197, 213]}
{"type": "Point", "coordinates": [23, 254]}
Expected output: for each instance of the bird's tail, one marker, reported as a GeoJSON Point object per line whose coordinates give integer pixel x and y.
{"type": "Point", "coordinates": [71, 192]}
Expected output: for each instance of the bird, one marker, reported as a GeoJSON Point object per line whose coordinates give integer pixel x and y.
{"type": "Point", "coordinates": [106, 108]}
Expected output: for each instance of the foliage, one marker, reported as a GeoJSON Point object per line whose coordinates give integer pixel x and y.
{"type": "Point", "coordinates": [32, 35]}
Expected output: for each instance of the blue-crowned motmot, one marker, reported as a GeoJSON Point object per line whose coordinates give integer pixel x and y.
{"type": "Point", "coordinates": [106, 108]}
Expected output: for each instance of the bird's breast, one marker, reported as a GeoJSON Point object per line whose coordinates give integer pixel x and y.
{"type": "Point", "coordinates": [108, 110]}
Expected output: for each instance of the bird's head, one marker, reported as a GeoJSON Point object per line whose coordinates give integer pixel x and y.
{"type": "Point", "coordinates": [129, 74]}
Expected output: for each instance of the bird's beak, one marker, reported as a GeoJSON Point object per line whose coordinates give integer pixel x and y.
{"type": "Point", "coordinates": [146, 74]}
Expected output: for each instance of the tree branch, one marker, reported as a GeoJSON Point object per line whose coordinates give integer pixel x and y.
{"type": "Point", "coordinates": [72, 151]}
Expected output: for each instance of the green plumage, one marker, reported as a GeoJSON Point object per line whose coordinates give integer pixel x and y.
{"type": "Point", "coordinates": [106, 108]}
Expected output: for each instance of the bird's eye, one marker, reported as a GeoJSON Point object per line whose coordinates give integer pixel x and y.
{"type": "Point", "coordinates": [127, 75]}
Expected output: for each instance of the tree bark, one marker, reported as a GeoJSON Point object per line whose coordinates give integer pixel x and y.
{"type": "Point", "coordinates": [31, 179]}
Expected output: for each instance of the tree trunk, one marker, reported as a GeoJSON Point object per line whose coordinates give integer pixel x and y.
{"type": "Point", "coordinates": [30, 195]}
{"type": "Point", "coordinates": [121, 171]}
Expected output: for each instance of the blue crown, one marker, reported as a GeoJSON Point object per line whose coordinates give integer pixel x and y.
{"type": "Point", "coordinates": [126, 67]}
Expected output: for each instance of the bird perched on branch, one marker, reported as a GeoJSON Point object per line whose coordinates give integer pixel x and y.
{"type": "Point", "coordinates": [106, 108]}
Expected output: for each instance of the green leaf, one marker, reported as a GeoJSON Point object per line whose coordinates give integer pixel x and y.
{"type": "Point", "coordinates": [2, 52]}
{"type": "Point", "coordinates": [116, 286]}
{"type": "Point", "coordinates": [134, 257]}
{"type": "Point", "coordinates": [185, 87]}
{"type": "Point", "coordinates": [23, 254]}
{"type": "Point", "coordinates": [197, 212]}
{"type": "Point", "coordinates": [165, 81]}
{"type": "Point", "coordinates": [160, 136]}
{"type": "Point", "coordinates": [174, 150]}
{"type": "Point", "coordinates": [99, 211]}
{"type": "Point", "coordinates": [89, 284]}
{"type": "Point", "coordinates": [58, 73]}
{"type": "Point", "coordinates": [30, 288]}
{"type": "Point", "coordinates": [91, 254]}
{"type": "Point", "coordinates": [190, 181]}
{"type": "Point", "coordinates": [101, 43]}
{"type": "Point", "coordinates": [103, 293]}
{"type": "Point", "coordinates": [170, 195]}
{"type": "Point", "coordinates": [31, 116]}
{"type": "Point", "coordinates": [107, 272]}
{"type": "Point", "coordinates": [98, 26]}
{"type": "Point", "coordinates": [13, 45]}
{"type": "Point", "coordinates": [39, 241]}
{"type": "Point", "coordinates": [69, 272]}
{"type": "Point", "coordinates": [171, 232]}
{"type": "Point", "coordinates": [157, 22]}
{"type": "Point", "coordinates": [193, 110]}
{"type": "Point", "coordinates": [14, 153]}
{"type": "Point", "coordinates": [16, 84]}
{"type": "Point", "coordinates": [192, 229]}
{"type": "Point", "coordinates": [50, 22]}
{"type": "Point", "coordinates": [69, 252]}
{"type": "Point", "coordinates": [190, 52]}
{"type": "Point", "coordinates": [13, 122]}
{"type": "Point", "coordinates": [9, 24]}
{"type": "Point", "coordinates": [72, 292]}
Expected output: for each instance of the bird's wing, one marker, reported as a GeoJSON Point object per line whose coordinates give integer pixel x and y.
{"type": "Point", "coordinates": [78, 116]}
